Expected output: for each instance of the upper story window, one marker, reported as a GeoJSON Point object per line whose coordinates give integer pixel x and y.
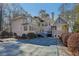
{"type": "Point", "coordinates": [25, 20]}
{"type": "Point", "coordinates": [54, 28]}
{"type": "Point", "coordinates": [25, 28]}
{"type": "Point", "coordinates": [30, 28]}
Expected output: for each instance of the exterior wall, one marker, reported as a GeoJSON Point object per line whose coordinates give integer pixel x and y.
{"type": "Point", "coordinates": [59, 27]}
{"type": "Point", "coordinates": [32, 26]}
{"type": "Point", "coordinates": [17, 27]}
{"type": "Point", "coordinates": [59, 30]}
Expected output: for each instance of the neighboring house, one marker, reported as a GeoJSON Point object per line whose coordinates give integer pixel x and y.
{"type": "Point", "coordinates": [45, 17]}
{"type": "Point", "coordinates": [26, 23]}
{"type": "Point", "coordinates": [48, 21]}
{"type": "Point", "coordinates": [21, 25]}
{"type": "Point", "coordinates": [39, 25]}
{"type": "Point", "coordinates": [18, 25]}
{"type": "Point", "coordinates": [35, 24]}
{"type": "Point", "coordinates": [59, 26]}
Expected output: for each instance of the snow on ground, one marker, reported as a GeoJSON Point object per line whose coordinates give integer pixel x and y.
{"type": "Point", "coordinates": [34, 47]}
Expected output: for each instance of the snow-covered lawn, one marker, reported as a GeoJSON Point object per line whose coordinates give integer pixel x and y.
{"type": "Point", "coordinates": [34, 47]}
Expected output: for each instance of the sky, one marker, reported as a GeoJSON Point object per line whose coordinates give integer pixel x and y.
{"type": "Point", "coordinates": [34, 8]}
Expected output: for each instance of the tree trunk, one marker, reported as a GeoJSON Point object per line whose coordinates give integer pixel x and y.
{"type": "Point", "coordinates": [0, 16]}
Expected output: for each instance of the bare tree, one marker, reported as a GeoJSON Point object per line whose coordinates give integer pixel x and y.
{"type": "Point", "coordinates": [1, 16]}
{"type": "Point", "coordinates": [10, 11]}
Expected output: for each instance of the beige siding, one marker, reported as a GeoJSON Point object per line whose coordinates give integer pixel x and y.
{"type": "Point", "coordinates": [17, 27]}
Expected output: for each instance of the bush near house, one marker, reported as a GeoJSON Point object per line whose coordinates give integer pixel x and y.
{"type": "Point", "coordinates": [60, 36]}
{"type": "Point", "coordinates": [76, 26]}
{"type": "Point", "coordinates": [39, 35]}
{"type": "Point", "coordinates": [24, 36]}
{"type": "Point", "coordinates": [31, 35]}
{"type": "Point", "coordinates": [73, 43]}
{"type": "Point", "coordinates": [11, 34]}
{"type": "Point", "coordinates": [65, 38]}
{"type": "Point", "coordinates": [15, 35]}
{"type": "Point", "coordinates": [4, 34]}
{"type": "Point", "coordinates": [18, 37]}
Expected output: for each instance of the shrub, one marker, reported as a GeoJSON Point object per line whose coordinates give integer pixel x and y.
{"type": "Point", "coordinates": [24, 36]}
{"type": "Point", "coordinates": [60, 36]}
{"type": "Point", "coordinates": [65, 38]}
{"type": "Point", "coordinates": [19, 37]}
{"type": "Point", "coordinates": [39, 35]}
{"type": "Point", "coordinates": [4, 34]}
{"type": "Point", "coordinates": [15, 35]}
{"type": "Point", "coordinates": [10, 34]}
{"type": "Point", "coordinates": [76, 26]}
{"type": "Point", "coordinates": [31, 35]}
{"type": "Point", "coordinates": [73, 43]}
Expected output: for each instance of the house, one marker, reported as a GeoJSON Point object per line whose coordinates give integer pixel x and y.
{"type": "Point", "coordinates": [59, 26]}
{"type": "Point", "coordinates": [21, 25]}
{"type": "Point", "coordinates": [25, 23]}
{"type": "Point", "coordinates": [45, 17]}
{"type": "Point", "coordinates": [36, 24]}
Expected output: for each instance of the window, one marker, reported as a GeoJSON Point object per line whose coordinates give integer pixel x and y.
{"type": "Point", "coordinates": [30, 27]}
{"type": "Point", "coordinates": [25, 27]}
{"type": "Point", "coordinates": [54, 28]}
{"type": "Point", "coordinates": [42, 24]}
{"type": "Point", "coordinates": [25, 20]}
{"type": "Point", "coordinates": [64, 27]}
{"type": "Point", "coordinates": [38, 24]}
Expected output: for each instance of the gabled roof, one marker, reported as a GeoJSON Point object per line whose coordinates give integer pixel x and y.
{"type": "Point", "coordinates": [19, 17]}
{"type": "Point", "coordinates": [39, 18]}
{"type": "Point", "coordinates": [60, 20]}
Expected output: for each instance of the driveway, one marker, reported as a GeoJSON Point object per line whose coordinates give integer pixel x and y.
{"type": "Point", "coordinates": [47, 41]}
{"type": "Point", "coordinates": [34, 47]}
